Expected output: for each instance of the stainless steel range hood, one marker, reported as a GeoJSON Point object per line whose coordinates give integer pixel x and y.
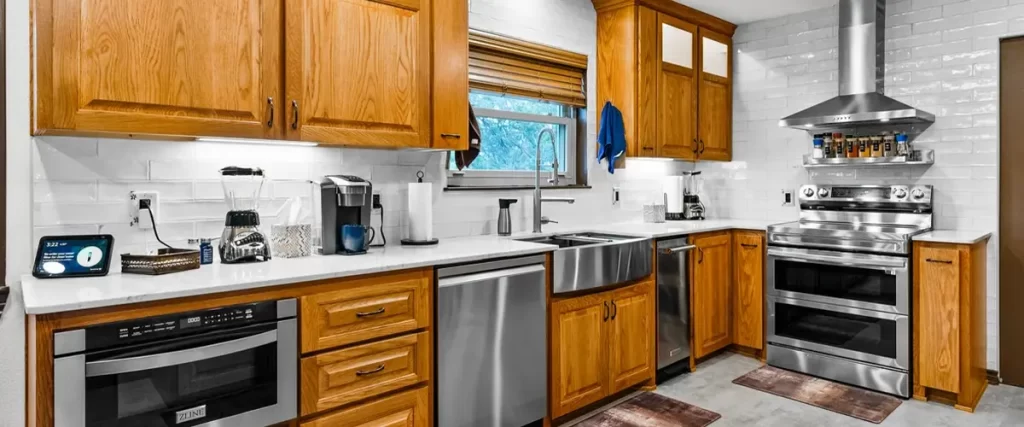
{"type": "Point", "coordinates": [861, 77]}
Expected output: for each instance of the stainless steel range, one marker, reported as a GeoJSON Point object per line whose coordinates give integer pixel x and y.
{"type": "Point", "coordinates": [839, 284]}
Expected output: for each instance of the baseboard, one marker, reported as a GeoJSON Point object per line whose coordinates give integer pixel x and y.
{"type": "Point", "coordinates": [992, 377]}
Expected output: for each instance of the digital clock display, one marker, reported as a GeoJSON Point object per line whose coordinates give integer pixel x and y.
{"type": "Point", "coordinates": [190, 322]}
{"type": "Point", "coordinates": [860, 193]}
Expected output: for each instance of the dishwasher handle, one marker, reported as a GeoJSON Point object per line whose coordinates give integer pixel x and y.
{"type": "Point", "coordinates": [489, 275]}
{"type": "Point", "coordinates": [670, 251]}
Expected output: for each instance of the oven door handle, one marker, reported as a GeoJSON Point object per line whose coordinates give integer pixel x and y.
{"type": "Point", "coordinates": [819, 257]}
{"type": "Point", "coordinates": [163, 360]}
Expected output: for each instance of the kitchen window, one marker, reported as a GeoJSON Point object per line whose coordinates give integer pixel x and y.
{"type": "Point", "coordinates": [517, 89]}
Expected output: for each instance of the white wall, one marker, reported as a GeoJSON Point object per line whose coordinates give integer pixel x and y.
{"type": "Point", "coordinates": [941, 56]}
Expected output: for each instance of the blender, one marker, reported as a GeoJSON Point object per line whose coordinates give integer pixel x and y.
{"type": "Point", "coordinates": [693, 209]}
{"type": "Point", "coordinates": [242, 240]}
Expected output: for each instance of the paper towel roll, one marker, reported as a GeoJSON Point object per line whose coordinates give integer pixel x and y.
{"type": "Point", "coordinates": [421, 211]}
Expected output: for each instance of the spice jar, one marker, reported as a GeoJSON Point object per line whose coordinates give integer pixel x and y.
{"type": "Point", "coordinates": [840, 143]}
{"type": "Point", "coordinates": [828, 142]}
{"type": "Point", "coordinates": [850, 145]}
{"type": "Point", "coordinates": [816, 151]}
{"type": "Point", "coordinates": [888, 145]}
{"type": "Point", "coordinates": [865, 146]}
{"type": "Point", "coordinates": [902, 146]}
{"type": "Point", "coordinates": [876, 146]}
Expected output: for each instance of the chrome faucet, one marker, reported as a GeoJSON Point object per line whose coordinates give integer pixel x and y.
{"type": "Point", "coordinates": [538, 218]}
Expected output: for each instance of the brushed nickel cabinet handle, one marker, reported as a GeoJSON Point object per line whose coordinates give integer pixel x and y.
{"type": "Point", "coordinates": [270, 103]}
{"type": "Point", "coordinates": [939, 261]}
{"type": "Point", "coordinates": [295, 114]}
{"type": "Point", "coordinates": [371, 313]}
{"type": "Point", "coordinates": [370, 372]}
{"type": "Point", "coordinates": [451, 135]}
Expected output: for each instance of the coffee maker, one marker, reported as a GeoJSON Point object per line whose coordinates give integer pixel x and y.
{"type": "Point", "coordinates": [344, 200]}
{"type": "Point", "coordinates": [682, 199]}
{"type": "Point", "coordinates": [242, 240]}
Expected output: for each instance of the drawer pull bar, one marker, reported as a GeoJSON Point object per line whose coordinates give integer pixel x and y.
{"type": "Point", "coordinates": [371, 313]}
{"type": "Point", "coordinates": [749, 245]}
{"type": "Point", "coordinates": [939, 261]}
{"type": "Point", "coordinates": [370, 372]}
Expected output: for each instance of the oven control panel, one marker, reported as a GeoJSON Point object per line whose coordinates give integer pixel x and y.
{"type": "Point", "coordinates": [174, 325]}
{"type": "Point", "coordinates": [894, 194]}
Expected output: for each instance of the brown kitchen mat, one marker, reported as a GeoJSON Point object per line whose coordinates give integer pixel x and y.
{"type": "Point", "coordinates": [652, 410]}
{"type": "Point", "coordinates": [840, 398]}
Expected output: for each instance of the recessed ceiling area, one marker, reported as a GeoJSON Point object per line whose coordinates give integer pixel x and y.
{"type": "Point", "coordinates": [745, 11]}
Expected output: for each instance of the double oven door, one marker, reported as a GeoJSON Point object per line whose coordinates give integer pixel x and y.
{"type": "Point", "coordinates": [851, 305]}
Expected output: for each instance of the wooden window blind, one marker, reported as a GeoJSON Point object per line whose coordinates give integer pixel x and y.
{"type": "Point", "coordinates": [506, 65]}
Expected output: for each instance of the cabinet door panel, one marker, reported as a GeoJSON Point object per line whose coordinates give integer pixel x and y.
{"type": "Point", "coordinates": [188, 68]}
{"type": "Point", "coordinates": [579, 356]}
{"type": "Point", "coordinates": [712, 280]}
{"type": "Point", "coordinates": [748, 307]}
{"type": "Point", "coordinates": [450, 101]}
{"type": "Point", "coordinates": [677, 88]}
{"type": "Point", "coordinates": [358, 72]}
{"type": "Point", "coordinates": [715, 94]}
{"type": "Point", "coordinates": [937, 317]}
{"type": "Point", "coordinates": [631, 336]}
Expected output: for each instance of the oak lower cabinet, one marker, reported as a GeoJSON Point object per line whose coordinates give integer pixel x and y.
{"type": "Point", "coordinates": [748, 285]}
{"type": "Point", "coordinates": [950, 322]}
{"type": "Point", "coordinates": [711, 292]}
{"type": "Point", "coordinates": [406, 409]}
{"type": "Point", "coordinates": [601, 344]}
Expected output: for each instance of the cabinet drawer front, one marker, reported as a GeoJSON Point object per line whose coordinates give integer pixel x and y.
{"type": "Point", "coordinates": [406, 409]}
{"type": "Point", "coordinates": [344, 376]}
{"type": "Point", "coordinates": [366, 309]}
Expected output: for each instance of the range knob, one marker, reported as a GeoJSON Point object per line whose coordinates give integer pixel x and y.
{"type": "Point", "coordinates": [822, 192]}
{"type": "Point", "coordinates": [900, 193]}
{"type": "Point", "coordinates": [808, 192]}
{"type": "Point", "coordinates": [918, 194]}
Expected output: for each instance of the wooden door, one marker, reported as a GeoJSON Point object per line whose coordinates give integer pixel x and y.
{"type": "Point", "coordinates": [937, 317]}
{"type": "Point", "coordinates": [631, 337]}
{"type": "Point", "coordinates": [677, 88]}
{"type": "Point", "coordinates": [1011, 204]}
{"type": "Point", "coordinates": [406, 409]}
{"type": "Point", "coordinates": [181, 68]}
{"type": "Point", "coordinates": [579, 353]}
{"type": "Point", "coordinates": [748, 301]}
{"type": "Point", "coordinates": [712, 280]}
{"type": "Point", "coordinates": [715, 97]}
{"type": "Point", "coordinates": [358, 72]}
{"type": "Point", "coordinates": [450, 99]}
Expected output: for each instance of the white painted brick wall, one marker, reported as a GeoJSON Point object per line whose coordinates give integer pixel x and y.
{"type": "Point", "coordinates": [81, 184]}
{"type": "Point", "coordinates": [941, 56]}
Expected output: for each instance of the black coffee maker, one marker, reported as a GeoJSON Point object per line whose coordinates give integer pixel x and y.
{"type": "Point", "coordinates": [344, 200]}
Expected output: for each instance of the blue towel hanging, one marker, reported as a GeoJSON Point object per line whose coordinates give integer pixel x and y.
{"type": "Point", "coordinates": [611, 140]}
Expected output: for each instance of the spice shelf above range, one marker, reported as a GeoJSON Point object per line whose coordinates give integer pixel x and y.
{"type": "Point", "coordinates": [916, 158]}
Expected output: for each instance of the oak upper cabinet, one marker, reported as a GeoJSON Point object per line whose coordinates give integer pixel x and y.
{"type": "Point", "coordinates": [631, 342]}
{"type": "Point", "coordinates": [359, 72]}
{"type": "Point", "coordinates": [177, 68]}
{"type": "Point", "coordinates": [578, 354]}
{"type": "Point", "coordinates": [668, 69]}
{"type": "Point", "coordinates": [949, 321]}
{"type": "Point", "coordinates": [601, 344]}
{"type": "Point", "coordinates": [677, 88]}
{"type": "Point", "coordinates": [710, 292]}
{"type": "Point", "coordinates": [715, 116]}
{"type": "Point", "coordinates": [748, 282]}
{"type": "Point", "coordinates": [450, 75]}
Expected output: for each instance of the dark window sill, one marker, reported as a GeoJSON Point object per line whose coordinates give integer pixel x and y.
{"type": "Point", "coordinates": [513, 188]}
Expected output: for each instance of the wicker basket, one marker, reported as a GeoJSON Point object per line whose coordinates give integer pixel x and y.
{"type": "Point", "coordinates": [165, 261]}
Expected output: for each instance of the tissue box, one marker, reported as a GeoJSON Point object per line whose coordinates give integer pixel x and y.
{"type": "Point", "coordinates": [291, 241]}
{"type": "Point", "coordinates": [654, 213]}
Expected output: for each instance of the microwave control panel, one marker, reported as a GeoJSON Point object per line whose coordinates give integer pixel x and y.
{"type": "Point", "coordinates": [179, 324]}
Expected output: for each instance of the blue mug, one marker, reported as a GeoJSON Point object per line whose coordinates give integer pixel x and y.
{"type": "Point", "coordinates": [356, 238]}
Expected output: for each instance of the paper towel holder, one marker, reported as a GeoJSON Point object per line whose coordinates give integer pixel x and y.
{"type": "Point", "coordinates": [411, 242]}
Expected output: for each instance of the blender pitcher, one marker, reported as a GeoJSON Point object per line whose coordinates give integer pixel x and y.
{"type": "Point", "coordinates": [242, 240]}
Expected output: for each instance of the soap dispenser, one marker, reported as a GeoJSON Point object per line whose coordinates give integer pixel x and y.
{"type": "Point", "coordinates": [504, 217]}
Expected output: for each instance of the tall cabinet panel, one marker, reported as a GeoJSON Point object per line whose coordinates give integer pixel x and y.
{"type": "Point", "coordinates": [711, 293]}
{"type": "Point", "coordinates": [451, 75]}
{"type": "Point", "coordinates": [181, 68]}
{"type": "Point", "coordinates": [677, 88]}
{"type": "Point", "coordinates": [359, 72]}
{"type": "Point", "coordinates": [715, 117]}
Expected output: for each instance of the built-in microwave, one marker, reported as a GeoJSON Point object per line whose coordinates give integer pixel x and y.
{"type": "Point", "coordinates": [230, 366]}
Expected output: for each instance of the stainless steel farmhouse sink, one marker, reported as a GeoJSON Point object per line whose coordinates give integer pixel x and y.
{"type": "Point", "coordinates": [593, 260]}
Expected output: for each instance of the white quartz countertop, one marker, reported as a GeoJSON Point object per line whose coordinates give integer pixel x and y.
{"type": "Point", "coordinates": [953, 236]}
{"type": "Point", "coordinates": [44, 296]}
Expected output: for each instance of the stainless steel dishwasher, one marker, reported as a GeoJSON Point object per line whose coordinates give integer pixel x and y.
{"type": "Point", "coordinates": [673, 301]}
{"type": "Point", "coordinates": [491, 343]}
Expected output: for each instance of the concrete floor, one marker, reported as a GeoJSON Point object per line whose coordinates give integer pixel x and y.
{"type": "Point", "coordinates": [711, 388]}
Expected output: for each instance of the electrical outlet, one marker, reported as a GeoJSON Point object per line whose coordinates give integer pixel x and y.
{"type": "Point", "coordinates": [615, 196]}
{"type": "Point", "coordinates": [787, 198]}
{"type": "Point", "coordinates": [137, 201]}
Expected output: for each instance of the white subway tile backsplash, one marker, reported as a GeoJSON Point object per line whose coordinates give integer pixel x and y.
{"type": "Point", "coordinates": [113, 191]}
{"type": "Point", "coordinates": [959, 9]}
